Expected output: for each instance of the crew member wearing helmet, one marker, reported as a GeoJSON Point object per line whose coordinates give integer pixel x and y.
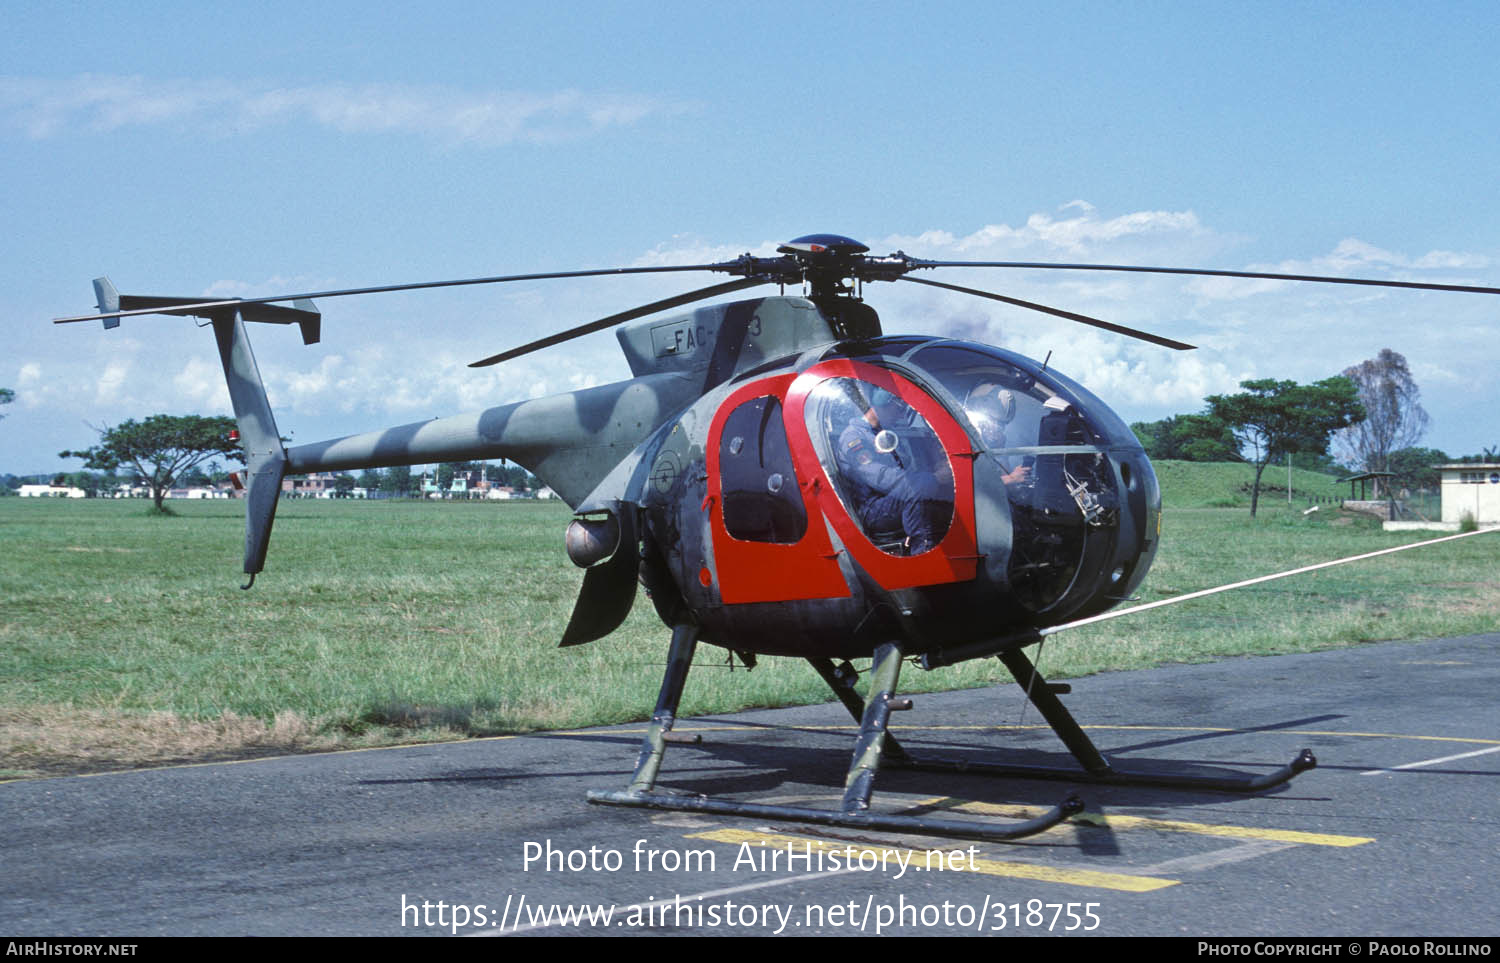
{"type": "Point", "coordinates": [886, 494]}
{"type": "Point", "coordinates": [990, 409]}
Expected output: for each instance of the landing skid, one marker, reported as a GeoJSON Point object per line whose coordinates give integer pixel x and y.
{"type": "Point", "coordinates": [1097, 770]}
{"type": "Point", "coordinates": [875, 746]}
{"type": "Point", "coordinates": [872, 744]}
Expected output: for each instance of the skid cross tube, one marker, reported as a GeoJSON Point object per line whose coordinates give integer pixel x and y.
{"type": "Point", "coordinates": [873, 742]}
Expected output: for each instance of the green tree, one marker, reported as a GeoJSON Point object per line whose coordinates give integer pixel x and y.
{"type": "Point", "coordinates": [91, 482]}
{"type": "Point", "coordinates": [1414, 468]}
{"type": "Point", "coordinates": [1188, 438]}
{"type": "Point", "coordinates": [1487, 457]}
{"type": "Point", "coordinates": [6, 397]}
{"type": "Point", "coordinates": [1274, 418]}
{"type": "Point", "coordinates": [160, 448]}
{"type": "Point", "coordinates": [396, 481]}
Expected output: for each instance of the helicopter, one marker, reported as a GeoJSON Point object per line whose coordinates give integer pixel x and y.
{"type": "Point", "coordinates": [785, 479]}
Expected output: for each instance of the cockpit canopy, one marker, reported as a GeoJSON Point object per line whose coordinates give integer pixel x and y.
{"type": "Point", "coordinates": [889, 443]}
{"type": "Point", "coordinates": [1063, 458]}
{"type": "Point", "coordinates": [1012, 402]}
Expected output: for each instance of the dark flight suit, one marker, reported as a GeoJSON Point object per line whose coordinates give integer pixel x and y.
{"type": "Point", "coordinates": [886, 495]}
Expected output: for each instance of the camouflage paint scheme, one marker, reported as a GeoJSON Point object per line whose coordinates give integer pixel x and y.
{"type": "Point", "coordinates": [634, 453]}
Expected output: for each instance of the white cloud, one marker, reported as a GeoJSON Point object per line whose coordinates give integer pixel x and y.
{"type": "Point", "coordinates": [44, 107]}
{"type": "Point", "coordinates": [1087, 231]}
{"type": "Point", "coordinates": [1451, 260]}
{"type": "Point", "coordinates": [1229, 289]}
{"type": "Point", "coordinates": [201, 383]}
{"type": "Point", "coordinates": [277, 284]}
{"type": "Point", "coordinates": [691, 249]}
{"type": "Point", "coordinates": [310, 390]}
{"type": "Point", "coordinates": [111, 384]}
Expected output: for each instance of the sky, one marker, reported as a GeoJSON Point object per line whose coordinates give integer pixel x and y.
{"type": "Point", "coordinates": [249, 150]}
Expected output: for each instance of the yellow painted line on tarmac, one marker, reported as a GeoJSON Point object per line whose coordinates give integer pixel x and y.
{"type": "Point", "coordinates": [987, 867]}
{"type": "Point", "coordinates": [1113, 821]}
{"type": "Point", "coordinates": [1232, 832]}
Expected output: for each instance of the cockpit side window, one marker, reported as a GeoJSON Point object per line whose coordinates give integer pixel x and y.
{"type": "Point", "coordinates": [886, 463]}
{"type": "Point", "coordinates": [762, 500]}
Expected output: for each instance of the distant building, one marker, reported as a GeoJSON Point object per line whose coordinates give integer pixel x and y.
{"type": "Point", "coordinates": [199, 492]}
{"type": "Point", "coordinates": [51, 491]}
{"type": "Point", "coordinates": [470, 485]}
{"type": "Point", "coordinates": [321, 484]}
{"type": "Point", "coordinates": [1472, 490]}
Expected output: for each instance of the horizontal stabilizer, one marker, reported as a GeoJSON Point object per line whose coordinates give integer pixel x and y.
{"type": "Point", "coordinates": [302, 312]}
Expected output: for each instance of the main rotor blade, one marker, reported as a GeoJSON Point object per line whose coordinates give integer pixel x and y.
{"type": "Point", "coordinates": [1205, 272]}
{"type": "Point", "coordinates": [385, 288]}
{"type": "Point", "coordinates": [620, 318]}
{"type": "Point", "coordinates": [1058, 312]}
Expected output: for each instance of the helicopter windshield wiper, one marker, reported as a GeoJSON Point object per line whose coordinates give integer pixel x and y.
{"type": "Point", "coordinates": [620, 318]}
{"type": "Point", "coordinates": [1058, 312]}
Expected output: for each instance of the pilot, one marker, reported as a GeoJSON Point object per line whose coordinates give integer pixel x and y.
{"type": "Point", "coordinates": [887, 494]}
{"type": "Point", "coordinates": [990, 409]}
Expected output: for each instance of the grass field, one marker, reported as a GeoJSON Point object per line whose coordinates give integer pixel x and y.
{"type": "Point", "coordinates": [125, 640]}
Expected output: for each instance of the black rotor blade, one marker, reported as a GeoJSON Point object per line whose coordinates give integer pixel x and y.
{"type": "Point", "coordinates": [1058, 312]}
{"type": "Point", "coordinates": [385, 288]}
{"type": "Point", "coordinates": [620, 318]}
{"type": "Point", "coordinates": [1205, 272]}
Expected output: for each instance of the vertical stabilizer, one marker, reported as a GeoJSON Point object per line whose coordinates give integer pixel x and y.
{"type": "Point", "coordinates": [108, 300]}
{"type": "Point", "coordinates": [265, 458]}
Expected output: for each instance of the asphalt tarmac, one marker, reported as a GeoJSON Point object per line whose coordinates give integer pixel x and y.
{"type": "Point", "coordinates": [1393, 834]}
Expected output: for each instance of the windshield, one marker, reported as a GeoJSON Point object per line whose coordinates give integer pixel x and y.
{"type": "Point", "coordinates": [1013, 402]}
{"type": "Point", "coordinates": [1051, 440]}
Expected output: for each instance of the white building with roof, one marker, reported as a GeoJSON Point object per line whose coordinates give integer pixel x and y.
{"type": "Point", "coordinates": [1472, 490]}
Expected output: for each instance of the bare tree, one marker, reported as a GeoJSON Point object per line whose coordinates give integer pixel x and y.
{"type": "Point", "coordinates": [1394, 418]}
